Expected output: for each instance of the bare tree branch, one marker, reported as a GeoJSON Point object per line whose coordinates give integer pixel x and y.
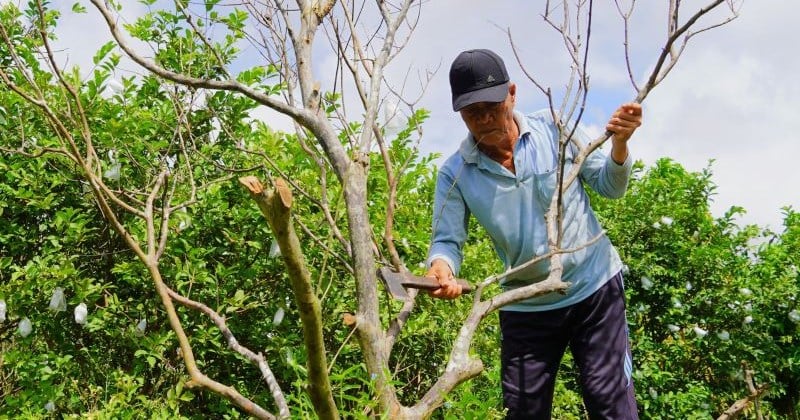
{"type": "Point", "coordinates": [753, 398]}
{"type": "Point", "coordinates": [399, 321]}
{"type": "Point", "coordinates": [626, 15]}
{"type": "Point", "coordinates": [657, 74]}
{"type": "Point", "coordinates": [306, 116]}
{"type": "Point", "coordinates": [233, 343]}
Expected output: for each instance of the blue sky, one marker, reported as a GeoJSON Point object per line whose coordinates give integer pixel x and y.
{"type": "Point", "coordinates": [732, 98]}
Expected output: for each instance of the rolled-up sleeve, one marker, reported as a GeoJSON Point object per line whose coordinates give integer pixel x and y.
{"type": "Point", "coordinates": [450, 218]}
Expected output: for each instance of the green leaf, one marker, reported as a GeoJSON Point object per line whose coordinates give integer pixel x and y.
{"type": "Point", "coordinates": [210, 4]}
{"type": "Point", "coordinates": [103, 51]}
{"type": "Point", "coordinates": [78, 8]}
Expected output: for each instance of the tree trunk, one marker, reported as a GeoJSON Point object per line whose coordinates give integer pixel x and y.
{"type": "Point", "coordinates": [370, 334]}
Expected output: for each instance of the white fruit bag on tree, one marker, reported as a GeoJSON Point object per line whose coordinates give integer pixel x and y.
{"type": "Point", "coordinates": [25, 327]}
{"type": "Point", "coordinates": [278, 318]}
{"type": "Point", "coordinates": [141, 326]}
{"type": "Point", "coordinates": [80, 313]}
{"type": "Point", "coordinates": [274, 250]}
{"type": "Point", "coordinates": [57, 301]}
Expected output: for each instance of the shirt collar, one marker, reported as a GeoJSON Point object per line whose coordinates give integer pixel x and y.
{"type": "Point", "coordinates": [469, 150]}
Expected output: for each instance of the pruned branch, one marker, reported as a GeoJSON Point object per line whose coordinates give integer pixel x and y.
{"type": "Point", "coordinates": [276, 206]}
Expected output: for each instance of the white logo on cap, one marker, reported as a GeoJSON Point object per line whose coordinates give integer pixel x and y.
{"type": "Point", "coordinates": [490, 79]}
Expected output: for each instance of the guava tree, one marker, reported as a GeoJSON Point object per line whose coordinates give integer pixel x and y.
{"type": "Point", "coordinates": [705, 295]}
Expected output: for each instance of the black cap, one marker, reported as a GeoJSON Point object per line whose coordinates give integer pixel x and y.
{"type": "Point", "coordinates": [478, 76]}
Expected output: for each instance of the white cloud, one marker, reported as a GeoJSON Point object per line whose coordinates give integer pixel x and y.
{"type": "Point", "coordinates": [733, 99]}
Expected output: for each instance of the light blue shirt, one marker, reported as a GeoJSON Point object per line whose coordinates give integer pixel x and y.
{"type": "Point", "coordinates": [511, 207]}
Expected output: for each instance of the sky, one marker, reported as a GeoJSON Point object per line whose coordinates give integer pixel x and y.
{"type": "Point", "coordinates": [732, 98]}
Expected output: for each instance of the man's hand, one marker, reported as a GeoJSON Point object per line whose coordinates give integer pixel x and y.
{"type": "Point", "coordinates": [449, 289]}
{"type": "Point", "coordinates": [625, 120]}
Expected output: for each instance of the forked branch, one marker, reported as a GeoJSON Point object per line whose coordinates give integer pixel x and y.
{"type": "Point", "coordinates": [756, 392]}
{"type": "Point", "coordinates": [233, 343]}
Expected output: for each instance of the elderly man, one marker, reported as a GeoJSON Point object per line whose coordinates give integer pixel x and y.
{"type": "Point", "coordinates": [504, 174]}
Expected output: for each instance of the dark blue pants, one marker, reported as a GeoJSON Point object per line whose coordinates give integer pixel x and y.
{"type": "Point", "coordinates": [596, 331]}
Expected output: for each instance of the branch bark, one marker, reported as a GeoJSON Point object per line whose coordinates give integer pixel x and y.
{"type": "Point", "coordinates": [309, 117]}
{"type": "Point", "coordinates": [233, 343]}
{"type": "Point", "coordinates": [740, 405]}
{"type": "Point", "coordinates": [276, 207]}
{"type": "Point", "coordinates": [755, 394]}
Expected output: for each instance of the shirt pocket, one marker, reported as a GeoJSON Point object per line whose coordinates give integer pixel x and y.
{"type": "Point", "coordinates": [546, 185]}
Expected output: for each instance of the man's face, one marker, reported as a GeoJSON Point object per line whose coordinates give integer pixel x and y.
{"type": "Point", "coordinates": [490, 121]}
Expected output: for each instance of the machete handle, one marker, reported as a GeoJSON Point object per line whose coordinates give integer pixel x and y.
{"type": "Point", "coordinates": [465, 286]}
{"type": "Point", "coordinates": [430, 283]}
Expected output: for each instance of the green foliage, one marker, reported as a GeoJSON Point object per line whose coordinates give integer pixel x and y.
{"type": "Point", "coordinates": [704, 295]}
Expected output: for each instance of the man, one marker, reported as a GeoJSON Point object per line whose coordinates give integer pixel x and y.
{"type": "Point", "coordinates": [504, 175]}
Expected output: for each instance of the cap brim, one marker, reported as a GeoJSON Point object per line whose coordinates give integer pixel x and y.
{"type": "Point", "coordinates": [491, 94]}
